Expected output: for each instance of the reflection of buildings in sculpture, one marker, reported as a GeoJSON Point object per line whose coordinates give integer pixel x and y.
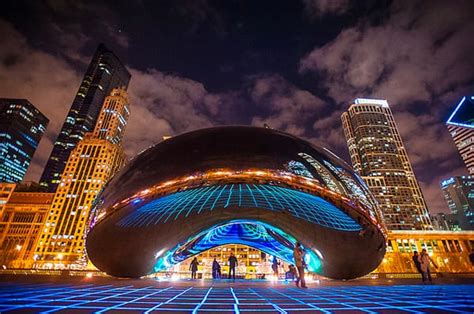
{"type": "Point", "coordinates": [91, 164]}
{"type": "Point", "coordinates": [461, 126]}
{"type": "Point", "coordinates": [104, 73]}
{"type": "Point", "coordinates": [21, 225]}
{"type": "Point", "coordinates": [22, 126]}
{"type": "Point", "coordinates": [379, 156]}
{"type": "Point", "coordinates": [459, 195]}
{"type": "Point", "coordinates": [449, 249]}
{"type": "Point", "coordinates": [198, 190]}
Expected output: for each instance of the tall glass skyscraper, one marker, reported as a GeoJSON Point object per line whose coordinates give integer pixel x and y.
{"type": "Point", "coordinates": [459, 194]}
{"type": "Point", "coordinates": [105, 72]}
{"type": "Point", "coordinates": [21, 129]}
{"type": "Point", "coordinates": [461, 126]}
{"type": "Point", "coordinates": [378, 155]}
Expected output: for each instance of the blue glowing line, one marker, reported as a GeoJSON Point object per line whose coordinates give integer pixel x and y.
{"type": "Point", "coordinates": [456, 110]}
{"type": "Point", "coordinates": [372, 299]}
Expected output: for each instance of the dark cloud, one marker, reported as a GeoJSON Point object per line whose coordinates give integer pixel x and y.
{"type": "Point", "coordinates": [282, 105]}
{"type": "Point", "coordinates": [318, 8]}
{"type": "Point", "coordinates": [46, 81]}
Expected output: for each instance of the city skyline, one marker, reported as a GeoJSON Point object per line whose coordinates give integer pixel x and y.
{"type": "Point", "coordinates": [173, 98]}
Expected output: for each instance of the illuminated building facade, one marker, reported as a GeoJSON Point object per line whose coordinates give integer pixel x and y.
{"type": "Point", "coordinates": [94, 160]}
{"type": "Point", "coordinates": [459, 194]}
{"type": "Point", "coordinates": [461, 126]}
{"type": "Point", "coordinates": [21, 128]}
{"type": "Point", "coordinates": [378, 155]}
{"type": "Point", "coordinates": [449, 250]}
{"type": "Point", "coordinates": [248, 186]}
{"type": "Point", "coordinates": [21, 223]}
{"type": "Point", "coordinates": [105, 72]}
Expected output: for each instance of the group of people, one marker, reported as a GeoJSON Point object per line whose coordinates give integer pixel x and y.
{"type": "Point", "coordinates": [295, 272]}
{"type": "Point", "coordinates": [422, 263]}
{"type": "Point", "coordinates": [216, 268]}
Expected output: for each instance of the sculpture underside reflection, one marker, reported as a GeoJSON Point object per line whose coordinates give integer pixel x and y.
{"type": "Point", "coordinates": [258, 235]}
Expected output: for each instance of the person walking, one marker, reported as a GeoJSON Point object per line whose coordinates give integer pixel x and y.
{"type": "Point", "coordinates": [275, 264]}
{"type": "Point", "coordinates": [193, 267]}
{"type": "Point", "coordinates": [232, 264]}
{"type": "Point", "coordinates": [416, 262]}
{"type": "Point", "coordinates": [216, 269]}
{"type": "Point", "coordinates": [425, 261]}
{"type": "Point", "coordinates": [298, 255]}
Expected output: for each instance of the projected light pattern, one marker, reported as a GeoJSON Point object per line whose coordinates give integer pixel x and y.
{"type": "Point", "coordinates": [275, 198]}
{"type": "Point", "coordinates": [255, 234]}
{"type": "Point", "coordinates": [119, 298]}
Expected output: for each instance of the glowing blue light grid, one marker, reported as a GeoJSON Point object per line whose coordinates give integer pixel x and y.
{"type": "Point", "coordinates": [275, 198]}
{"type": "Point", "coordinates": [120, 298]}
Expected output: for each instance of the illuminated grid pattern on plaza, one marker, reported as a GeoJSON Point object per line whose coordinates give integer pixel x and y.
{"type": "Point", "coordinates": [275, 198]}
{"type": "Point", "coordinates": [49, 298]}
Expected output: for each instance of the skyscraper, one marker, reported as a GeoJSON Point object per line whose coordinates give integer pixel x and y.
{"type": "Point", "coordinates": [378, 155]}
{"type": "Point", "coordinates": [21, 129]}
{"type": "Point", "coordinates": [461, 126]}
{"type": "Point", "coordinates": [105, 72]}
{"type": "Point", "coordinates": [93, 161]}
{"type": "Point", "coordinates": [459, 194]}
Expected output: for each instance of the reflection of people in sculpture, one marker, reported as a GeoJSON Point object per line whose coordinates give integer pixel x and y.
{"type": "Point", "coordinates": [216, 270]}
{"type": "Point", "coordinates": [193, 267]}
{"type": "Point", "coordinates": [232, 265]}
{"type": "Point", "coordinates": [275, 264]}
{"type": "Point", "coordinates": [298, 255]}
{"type": "Point", "coordinates": [291, 274]}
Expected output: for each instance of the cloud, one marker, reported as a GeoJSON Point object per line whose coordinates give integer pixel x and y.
{"type": "Point", "coordinates": [282, 105]}
{"type": "Point", "coordinates": [318, 8]}
{"type": "Point", "coordinates": [48, 82]}
{"type": "Point", "coordinates": [167, 105]}
{"type": "Point", "coordinates": [411, 57]}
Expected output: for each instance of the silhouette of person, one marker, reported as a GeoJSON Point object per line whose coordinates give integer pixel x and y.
{"type": "Point", "coordinates": [216, 270]}
{"type": "Point", "coordinates": [232, 265]}
{"type": "Point", "coordinates": [193, 267]}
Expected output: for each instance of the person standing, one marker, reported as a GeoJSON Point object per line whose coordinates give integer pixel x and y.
{"type": "Point", "coordinates": [298, 255]}
{"type": "Point", "coordinates": [193, 267]}
{"type": "Point", "coordinates": [232, 264]}
{"type": "Point", "coordinates": [416, 261]}
{"type": "Point", "coordinates": [425, 261]}
{"type": "Point", "coordinates": [275, 264]}
{"type": "Point", "coordinates": [216, 269]}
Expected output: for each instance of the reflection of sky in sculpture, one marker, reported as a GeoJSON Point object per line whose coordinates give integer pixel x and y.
{"type": "Point", "coordinates": [254, 234]}
{"type": "Point", "coordinates": [270, 197]}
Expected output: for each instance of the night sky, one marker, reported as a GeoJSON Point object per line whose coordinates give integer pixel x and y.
{"type": "Point", "coordinates": [295, 65]}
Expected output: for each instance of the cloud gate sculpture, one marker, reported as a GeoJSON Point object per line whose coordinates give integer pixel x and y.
{"type": "Point", "coordinates": [235, 185]}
